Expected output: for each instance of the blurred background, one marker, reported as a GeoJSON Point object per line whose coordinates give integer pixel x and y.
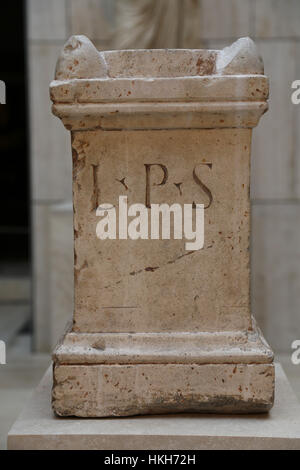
{"type": "Point", "coordinates": [36, 253]}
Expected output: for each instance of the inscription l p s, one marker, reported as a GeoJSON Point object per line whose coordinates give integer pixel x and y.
{"type": "Point", "coordinates": [164, 180]}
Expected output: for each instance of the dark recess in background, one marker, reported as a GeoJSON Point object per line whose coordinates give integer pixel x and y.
{"type": "Point", "coordinates": [14, 174]}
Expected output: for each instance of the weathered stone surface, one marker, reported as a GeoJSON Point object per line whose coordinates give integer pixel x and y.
{"type": "Point", "coordinates": [127, 390]}
{"type": "Point", "coordinates": [38, 428]}
{"type": "Point", "coordinates": [127, 285]}
{"type": "Point", "coordinates": [240, 58]}
{"type": "Point", "coordinates": [151, 305]}
{"type": "Point", "coordinates": [79, 59]}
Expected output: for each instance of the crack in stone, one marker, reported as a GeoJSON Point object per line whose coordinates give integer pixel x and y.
{"type": "Point", "coordinates": [151, 268]}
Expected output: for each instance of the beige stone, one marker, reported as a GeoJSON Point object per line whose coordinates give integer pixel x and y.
{"type": "Point", "coordinates": [239, 58]}
{"type": "Point", "coordinates": [79, 59]}
{"type": "Point", "coordinates": [150, 308]}
{"type": "Point", "coordinates": [37, 428]}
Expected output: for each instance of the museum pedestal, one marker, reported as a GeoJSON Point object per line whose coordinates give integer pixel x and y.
{"type": "Point", "coordinates": [38, 427]}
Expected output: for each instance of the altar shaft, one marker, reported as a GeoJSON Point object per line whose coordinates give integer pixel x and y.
{"type": "Point", "coordinates": [160, 326]}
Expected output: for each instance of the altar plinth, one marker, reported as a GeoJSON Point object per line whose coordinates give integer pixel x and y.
{"type": "Point", "coordinates": [161, 324]}
{"type": "Point", "coordinates": [37, 428]}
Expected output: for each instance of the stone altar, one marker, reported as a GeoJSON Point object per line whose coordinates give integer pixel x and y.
{"type": "Point", "coordinates": [159, 327]}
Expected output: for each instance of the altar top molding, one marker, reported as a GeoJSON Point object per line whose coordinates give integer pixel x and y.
{"type": "Point", "coordinates": [159, 88]}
